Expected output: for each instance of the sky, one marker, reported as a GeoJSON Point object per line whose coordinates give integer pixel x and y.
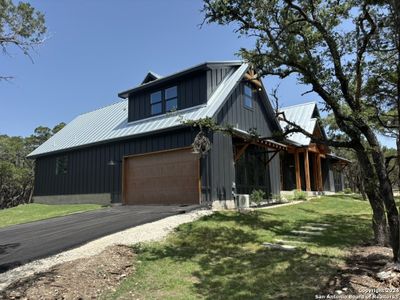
{"type": "Point", "coordinates": [97, 48]}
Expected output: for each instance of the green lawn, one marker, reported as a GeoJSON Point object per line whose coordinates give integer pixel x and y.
{"type": "Point", "coordinates": [33, 212]}
{"type": "Point", "coordinates": [222, 257]}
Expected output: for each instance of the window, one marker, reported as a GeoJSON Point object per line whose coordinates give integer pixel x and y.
{"type": "Point", "coordinates": [61, 165]}
{"type": "Point", "coordinates": [168, 96]}
{"type": "Point", "coordinates": [248, 96]}
{"type": "Point", "coordinates": [156, 103]}
{"type": "Point", "coordinates": [171, 99]}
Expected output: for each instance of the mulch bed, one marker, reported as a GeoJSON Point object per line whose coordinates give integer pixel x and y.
{"type": "Point", "coordinates": [85, 278]}
{"type": "Point", "coordinates": [358, 276]}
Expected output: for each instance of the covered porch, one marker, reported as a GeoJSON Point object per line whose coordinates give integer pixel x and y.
{"type": "Point", "coordinates": [305, 168]}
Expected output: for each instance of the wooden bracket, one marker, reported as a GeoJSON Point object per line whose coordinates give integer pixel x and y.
{"type": "Point", "coordinates": [240, 152]}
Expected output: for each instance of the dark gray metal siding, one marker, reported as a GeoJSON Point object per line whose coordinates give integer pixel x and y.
{"type": "Point", "coordinates": [234, 113]}
{"type": "Point", "coordinates": [214, 78]}
{"type": "Point", "coordinates": [192, 91]}
{"type": "Point", "coordinates": [88, 169]}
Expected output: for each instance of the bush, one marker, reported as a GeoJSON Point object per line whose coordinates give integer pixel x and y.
{"type": "Point", "coordinates": [347, 191]}
{"type": "Point", "coordinates": [299, 195]}
{"type": "Point", "coordinates": [257, 196]}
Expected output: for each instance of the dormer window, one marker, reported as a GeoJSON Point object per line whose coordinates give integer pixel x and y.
{"type": "Point", "coordinates": [164, 101]}
{"type": "Point", "coordinates": [156, 103]}
{"type": "Point", "coordinates": [171, 99]}
{"type": "Point", "coordinates": [247, 96]}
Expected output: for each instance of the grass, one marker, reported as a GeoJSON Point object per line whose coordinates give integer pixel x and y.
{"type": "Point", "coordinates": [222, 257]}
{"type": "Point", "coordinates": [33, 212]}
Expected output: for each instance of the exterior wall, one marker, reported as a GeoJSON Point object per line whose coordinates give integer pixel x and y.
{"type": "Point", "coordinates": [102, 199]}
{"type": "Point", "coordinates": [234, 113]}
{"type": "Point", "coordinates": [214, 78]}
{"type": "Point", "coordinates": [88, 169]}
{"type": "Point", "coordinates": [192, 91]}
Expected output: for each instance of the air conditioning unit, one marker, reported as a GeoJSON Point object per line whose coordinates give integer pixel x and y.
{"type": "Point", "coordinates": [243, 200]}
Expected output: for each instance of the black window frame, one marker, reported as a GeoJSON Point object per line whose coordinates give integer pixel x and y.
{"type": "Point", "coordinates": [248, 97]}
{"type": "Point", "coordinates": [62, 165]}
{"type": "Point", "coordinates": [164, 100]}
{"type": "Point", "coordinates": [154, 103]}
{"type": "Point", "coordinates": [171, 98]}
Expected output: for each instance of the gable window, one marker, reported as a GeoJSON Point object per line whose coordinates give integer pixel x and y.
{"type": "Point", "coordinates": [156, 103]}
{"type": "Point", "coordinates": [247, 96]}
{"type": "Point", "coordinates": [61, 165]}
{"type": "Point", "coordinates": [171, 99]}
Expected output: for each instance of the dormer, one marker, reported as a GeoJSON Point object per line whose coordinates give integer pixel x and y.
{"type": "Point", "coordinates": [157, 96]}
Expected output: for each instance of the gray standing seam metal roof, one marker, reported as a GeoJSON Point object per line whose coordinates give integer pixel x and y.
{"type": "Point", "coordinates": [301, 115]}
{"type": "Point", "coordinates": [111, 122]}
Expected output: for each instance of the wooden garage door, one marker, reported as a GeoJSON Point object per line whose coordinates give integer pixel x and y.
{"type": "Point", "coordinates": [170, 177]}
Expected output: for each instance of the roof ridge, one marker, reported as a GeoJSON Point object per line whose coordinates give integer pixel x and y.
{"type": "Point", "coordinates": [300, 104]}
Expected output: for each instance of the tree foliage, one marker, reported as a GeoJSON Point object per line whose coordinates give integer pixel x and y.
{"type": "Point", "coordinates": [16, 171]}
{"type": "Point", "coordinates": [21, 26]}
{"type": "Point", "coordinates": [330, 46]}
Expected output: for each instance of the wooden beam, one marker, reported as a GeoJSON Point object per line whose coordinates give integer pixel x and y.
{"type": "Point", "coordinates": [307, 171]}
{"type": "Point", "coordinates": [240, 152]}
{"type": "Point", "coordinates": [315, 172]}
{"type": "Point", "coordinates": [297, 167]}
{"type": "Point", "coordinates": [253, 79]}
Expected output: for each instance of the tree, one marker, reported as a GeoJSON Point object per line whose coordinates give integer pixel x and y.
{"type": "Point", "coordinates": [16, 171]}
{"type": "Point", "coordinates": [307, 38]}
{"type": "Point", "coordinates": [21, 26]}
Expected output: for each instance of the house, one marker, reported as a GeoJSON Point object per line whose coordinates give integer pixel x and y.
{"type": "Point", "coordinates": [138, 151]}
{"type": "Point", "coordinates": [307, 165]}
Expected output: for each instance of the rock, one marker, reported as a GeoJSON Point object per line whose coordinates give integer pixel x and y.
{"type": "Point", "coordinates": [384, 275]}
{"type": "Point", "coordinates": [339, 292]}
{"type": "Point", "coordinates": [302, 232]}
{"type": "Point", "coordinates": [279, 247]}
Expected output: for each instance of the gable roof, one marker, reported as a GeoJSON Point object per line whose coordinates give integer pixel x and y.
{"type": "Point", "coordinates": [150, 77]}
{"type": "Point", "coordinates": [304, 116]}
{"type": "Point", "coordinates": [111, 122]}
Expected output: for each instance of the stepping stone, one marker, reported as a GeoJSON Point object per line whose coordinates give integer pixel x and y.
{"type": "Point", "coordinates": [313, 228]}
{"type": "Point", "coordinates": [288, 242]}
{"type": "Point", "coordinates": [302, 232]}
{"type": "Point", "coordinates": [279, 247]}
{"type": "Point", "coordinates": [320, 224]}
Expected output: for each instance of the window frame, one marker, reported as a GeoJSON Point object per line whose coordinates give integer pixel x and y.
{"type": "Point", "coordinates": [171, 98]}
{"type": "Point", "coordinates": [164, 100]}
{"type": "Point", "coordinates": [248, 97]}
{"type": "Point", "coordinates": [159, 102]}
{"type": "Point", "coordinates": [62, 165]}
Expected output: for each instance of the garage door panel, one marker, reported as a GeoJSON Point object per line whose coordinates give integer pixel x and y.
{"type": "Point", "coordinates": [170, 177]}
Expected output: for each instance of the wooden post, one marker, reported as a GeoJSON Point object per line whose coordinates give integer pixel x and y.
{"type": "Point", "coordinates": [307, 171]}
{"type": "Point", "coordinates": [319, 170]}
{"type": "Point", "coordinates": [297, 167]}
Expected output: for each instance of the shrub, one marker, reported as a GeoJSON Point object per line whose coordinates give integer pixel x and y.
{"type": "Point", "coordinates": [299, 195]}
{"type": "Point", "coordinates": [347, 191]}
{"type": "Point", "coordinates": [257, 196]}
{"type": "Point", "coordinates": [276, 197]}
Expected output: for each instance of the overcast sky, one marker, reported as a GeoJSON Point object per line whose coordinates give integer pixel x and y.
{"type": "Point", "coordinates": [96, 49]}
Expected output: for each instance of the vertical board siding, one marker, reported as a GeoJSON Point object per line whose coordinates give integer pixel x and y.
{"type": "Point", "coordinates": [88, 169]}
{"type": "Point", "coordinates": [234, 113]}
{"type": "Point", "coordinates": [192, 91]}
{"type": "Point", "coordinates": [275, 174]}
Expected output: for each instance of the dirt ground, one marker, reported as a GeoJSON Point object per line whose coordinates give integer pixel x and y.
{"type": "Point", "coordinates": [86, 278]}
{"type": "Point", "coordinates": [358, 276]}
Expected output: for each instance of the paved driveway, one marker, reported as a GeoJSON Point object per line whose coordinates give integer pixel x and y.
{"type": "Point", "coordinates": [22, 243]}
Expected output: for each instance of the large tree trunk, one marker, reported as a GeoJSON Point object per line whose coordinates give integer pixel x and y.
{"type": "Point", "coordinates": [379, 223]}
{"type": "Point", "coordinates": [386, 191]}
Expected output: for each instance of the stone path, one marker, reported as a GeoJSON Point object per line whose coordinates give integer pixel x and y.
{"type": "Point", "coordinates": [305, 232]}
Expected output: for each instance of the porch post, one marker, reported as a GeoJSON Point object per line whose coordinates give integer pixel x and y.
{"type": "Point", "coordinates": [319, 170]}
{"type": "Point", "coordinates": [307, 170]}
{"type": "Point", "coordinates": [297, 167]}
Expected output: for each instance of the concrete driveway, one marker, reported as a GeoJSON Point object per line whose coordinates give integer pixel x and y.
{"type": "Point", "coordinates": [23, 243]}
